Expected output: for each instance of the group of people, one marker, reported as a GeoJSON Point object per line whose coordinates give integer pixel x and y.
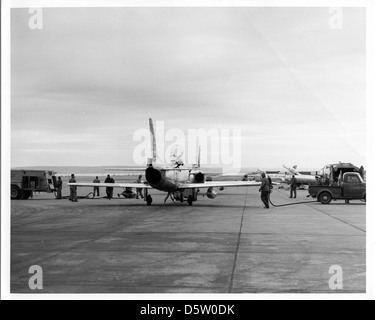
{"type": "Point", "coordinates": [266, 189]}
{"type": "Point", "coordinates": [128, 192]}
{"type": "Point", "coordinates": [73, 189]}
{"type": "Point", "coordinates": [108, 190]}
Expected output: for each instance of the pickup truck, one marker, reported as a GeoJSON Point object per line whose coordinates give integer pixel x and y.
{"type": "Point", "coordinates": [352, 187]}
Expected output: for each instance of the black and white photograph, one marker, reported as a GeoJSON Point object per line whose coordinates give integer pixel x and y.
{"type": "Point", "coordinates": [186, 150]}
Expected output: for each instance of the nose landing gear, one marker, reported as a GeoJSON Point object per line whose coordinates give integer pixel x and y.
{"type": "Point", "coordinates": [190, 200]}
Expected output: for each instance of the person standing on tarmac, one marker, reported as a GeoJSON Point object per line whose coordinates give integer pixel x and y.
{"type": "Point", "coordinates": [139, 190]}
{"type": "Point", "coordinates": [270, 181]}
{"type": "Point", "coordinates": [73, 189]}
{"type": "Point", "coordinates": [293, 187]}
{"type": "Point", "coordinates": [59, 188]}
{"type": "Point", "coordinates": [96, 189]}
{"type": "Point", "coordinates": [265, 191]}
{"type": "Point", "coordinates": [107, 189]}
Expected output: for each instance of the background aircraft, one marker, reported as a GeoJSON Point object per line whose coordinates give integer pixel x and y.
{"type": "Point", "coordinates": [275, 175]}
{"type": "Point", "coordinates": [301, 178]}
{"type": "Point", "coordinates": [182, 183]}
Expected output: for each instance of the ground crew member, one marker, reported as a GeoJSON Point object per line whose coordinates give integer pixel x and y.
{"type": "Point", "coordinates": [73, 189]}
{"type": "Point", "coordinates": [293, 187]}
{"type": "Point", "coordinates": [127, 193]}
{"type": "Point", "coordinates": [96, 189]}
{"type": "Point", "coordinates": [265, 190]}
{"type": "Point", "coordinates": [109, 190]}
{"type": "Point", "coordinates": [318, 181]}
{"type": "Point", "coordinates": [59, 188]}
{"type": "Point", "coordinates": [271, 185]}
{"type": "Point", "coordinates": [139, 190]}
{"type": "Point", "coordinates": [326, 180]}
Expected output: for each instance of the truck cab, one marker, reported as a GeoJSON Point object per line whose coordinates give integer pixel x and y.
{"type": "Point", "coordinates": [353, 186]}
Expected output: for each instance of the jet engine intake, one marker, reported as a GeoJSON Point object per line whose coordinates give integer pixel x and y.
{"type": "Point", "coordinates": [153, 176]}
{"type": "Point", "coordinates": [199, 177]}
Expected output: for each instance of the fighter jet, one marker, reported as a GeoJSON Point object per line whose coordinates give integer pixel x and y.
{"type": "Point", "coordinates": [182, 183]}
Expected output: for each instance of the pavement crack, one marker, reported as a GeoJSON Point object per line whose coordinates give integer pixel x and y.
{"type": "Point", "coordinates": [338, 219]}
{"type": "Point", "coordinates": [230, 289]}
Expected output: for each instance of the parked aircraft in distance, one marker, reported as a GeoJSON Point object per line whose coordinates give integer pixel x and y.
{"type": "Point", "coordinates": [182, 183]}
{"type": "Point", "coordinates": [275, 175]}
{"type": "Point", "coordinates": [305, 179]}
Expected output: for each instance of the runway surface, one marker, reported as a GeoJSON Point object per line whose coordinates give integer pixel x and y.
{"type": "Point", "coordinates": [227, 245]}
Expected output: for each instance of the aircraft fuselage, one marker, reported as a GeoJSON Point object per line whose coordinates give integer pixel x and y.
{"type": "Point", "coordinates": [302, 179]}
{"type": "Point", "coordinates": [171, 179]}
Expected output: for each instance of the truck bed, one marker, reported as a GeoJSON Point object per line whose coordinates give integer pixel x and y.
{"type": "Point", "coordinates": [336, 191]}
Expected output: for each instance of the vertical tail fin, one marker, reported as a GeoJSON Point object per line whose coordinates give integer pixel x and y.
{"type": "Point", "coordinates": [292, 170]}
{"type": "Point", "coordinates": [153, 141]}
{"type": "Point", "coordinates": [199, 157]}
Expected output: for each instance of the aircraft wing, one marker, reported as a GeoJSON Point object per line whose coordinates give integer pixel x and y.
{"type": "Point", "coordinates": [112, 185]}
{"type": "Point", "coordinates": [219, 184]}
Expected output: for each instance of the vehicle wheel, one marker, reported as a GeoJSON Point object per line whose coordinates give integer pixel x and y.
{"type": "Point", "coordinates": [190, 200]}
{"type": "Point", "coordinates": [15, 193]}
{"type": "Point", "coordinates": [325, 198]}
{"type": "Point", "coordinates": [149, 200]}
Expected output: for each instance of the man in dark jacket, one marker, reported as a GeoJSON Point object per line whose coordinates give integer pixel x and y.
{"type": "Point", "coordinates": [139, 190]}
{"type": "Point", "coordinates": [59, 185]}
{"type": "Point", "coordinates": [111, 189]}
{"type": "Point", "coordinates": [73, 189]}
{"type": "Point", "coordinates": [265, 190]}
{"type": "Point", "coordinates": [96, 189]}
{"type": "Point", "coordinates": [108, 190]}
{"type": "Point", "coordinates": [293, 187]}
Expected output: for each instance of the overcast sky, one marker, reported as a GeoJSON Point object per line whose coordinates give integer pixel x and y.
{"type": "Point", "coordinates": [83, 84]}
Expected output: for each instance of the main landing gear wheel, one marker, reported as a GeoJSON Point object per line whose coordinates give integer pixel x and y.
{"type": "Point", "coordinates": [190, 200]}
{"type": "Point", "coordinates": [149, 200]}
{"type": "Point", "coordinates": [325, 198]}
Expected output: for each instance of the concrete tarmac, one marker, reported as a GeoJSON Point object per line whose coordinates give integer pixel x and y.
{"type": "Point", "coordinates": [227, 245]}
